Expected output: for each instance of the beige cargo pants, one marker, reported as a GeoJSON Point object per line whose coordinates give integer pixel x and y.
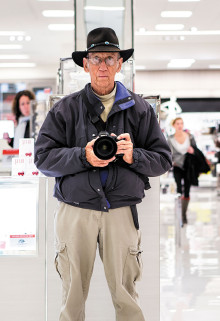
{"type": "Point", "coordinates": [77, 233]}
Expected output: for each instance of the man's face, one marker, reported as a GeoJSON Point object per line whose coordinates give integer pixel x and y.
{"type": "Point", "coordinates": [102, 67]}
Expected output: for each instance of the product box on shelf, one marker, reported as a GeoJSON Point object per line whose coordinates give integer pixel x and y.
{"type": "Point", "coordinates": [24, 164]}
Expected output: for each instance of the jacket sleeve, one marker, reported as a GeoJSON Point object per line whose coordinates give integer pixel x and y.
{"type": "Point", "coordinates": [170, 144]}
{"type": "Point", "coordinates": [192, 141]}
{"type": "Point", "coordinates": [152, 155]}
{"type": "Point", "coordinates": [52, 156]}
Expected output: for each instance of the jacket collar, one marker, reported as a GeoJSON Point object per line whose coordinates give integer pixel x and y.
{"type": "Point", "coordinates": [123, 98]}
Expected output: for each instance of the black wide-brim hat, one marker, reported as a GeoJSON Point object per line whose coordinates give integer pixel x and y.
{"type": "Point", "coordinates": [101, 40]}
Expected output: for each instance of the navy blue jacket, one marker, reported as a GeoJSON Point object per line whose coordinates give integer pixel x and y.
{"type": "Point", "coordinates": [60, 150]}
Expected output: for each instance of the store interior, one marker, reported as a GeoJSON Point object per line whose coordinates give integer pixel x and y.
{"type": "Point", "coordinates": [176, 67]}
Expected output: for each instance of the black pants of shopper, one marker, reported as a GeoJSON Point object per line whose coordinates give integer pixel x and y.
{"type": "Point", "coordinates": [179, 175]}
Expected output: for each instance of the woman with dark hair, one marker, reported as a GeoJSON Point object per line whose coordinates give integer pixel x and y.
{"type": "Point", "coordinates": [180, 144]}
{"type": "Point", "coordinates": [21, 108]}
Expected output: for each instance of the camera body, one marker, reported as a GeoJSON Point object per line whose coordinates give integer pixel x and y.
{"type": "Point", "coordinates": [105, 146]}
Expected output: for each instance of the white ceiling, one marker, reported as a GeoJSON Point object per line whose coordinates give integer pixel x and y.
{"type": "Point", "coordinates": [151, 51]}
{"type": "Point", "coordinates": [155, 51]}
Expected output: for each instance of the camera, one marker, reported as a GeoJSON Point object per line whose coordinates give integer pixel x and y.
{"type": "Point", "coordinates": [105, 146]}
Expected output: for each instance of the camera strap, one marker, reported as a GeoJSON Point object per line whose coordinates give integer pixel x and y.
{"type": "Point", "coordinates": [97, 122]}
{"type": "Point", "coordinates": [100, 126]}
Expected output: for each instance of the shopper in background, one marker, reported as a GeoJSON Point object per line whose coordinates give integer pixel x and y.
{"type": "Point", "coordinates": [181, 143]}
{"type": "Point", "coordinates": [21, 108]}
{"type": "Point", "coordinates": [98, 197]}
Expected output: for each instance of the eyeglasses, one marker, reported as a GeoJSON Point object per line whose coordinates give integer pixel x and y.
{"type": "Point", "coordinates": [109, 61]}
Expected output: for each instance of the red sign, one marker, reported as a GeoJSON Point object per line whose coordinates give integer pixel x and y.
{"type": "Point", "coordinates": [22, 236]}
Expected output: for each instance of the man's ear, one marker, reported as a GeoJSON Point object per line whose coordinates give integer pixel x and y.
{"type": "Point", "coordinates": [85, 65]}
{"type": "Point", "coordinates": [120, 62]}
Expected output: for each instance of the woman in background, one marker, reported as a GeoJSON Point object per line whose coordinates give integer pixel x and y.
{"type": "Point", "coordinates": [181, 143]}
{"type": "Point", "coordinates": [21, 108]}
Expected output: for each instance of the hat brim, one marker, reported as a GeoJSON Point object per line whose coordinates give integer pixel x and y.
{"type": "Point", "coordinates": [79, 55]}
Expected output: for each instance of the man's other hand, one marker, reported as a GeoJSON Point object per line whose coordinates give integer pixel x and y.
{"type": "Point", "coordinates": [125, 146]}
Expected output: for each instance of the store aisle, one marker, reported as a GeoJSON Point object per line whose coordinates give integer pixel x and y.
{"type": "Point", "coordinates": [190, 273]}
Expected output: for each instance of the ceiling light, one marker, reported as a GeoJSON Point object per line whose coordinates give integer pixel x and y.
{"type": "Point", "coordinates": [12, 38]}
{"type": "Point", "coordinates": [140, 67]}
{"type": "Point", "coordinates": [180, 33]}
{"type": "Point", "coordinates": [12, 33]}
{"type": "Point", "coordinates": [180, 63]}
{"type": "Point", "coordinates": [54, 0]}
{"type": "Point", "coordinates": [104, 8]}
{"type": "Point", "coordinates": [61, 27]}
{"type": "Point", "coordinates": [176, 14]}
{"type": "Point", "coordinates": [214, 66]}
{"type": "Point", "coordinates": [17, 64]}
{"type": "Point", "coordinates": [28, 38]}
{"type": "Point", "coordinates": [10, 46]}
{"type": "Point", "coordinates": [58, 13]}
{"type": "Point", "coordinates": [20, 38]}
{"type": "Point", "coordinates": [169, 27]}
{"type": "Point", "coordinates": [14, 57]}
{"type": "Point", "coordinates": [183, 0]}
{"type": "Point", "coordinates": [142, 29]}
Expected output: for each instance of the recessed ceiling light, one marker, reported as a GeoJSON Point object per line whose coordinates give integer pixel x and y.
{"type": "Point", "coordinates": [183, 0]}
{"type": "Point", "coordinates": [180, 63]}
{"type": "Point", "coordinates": [180, 33]}
{"type": "Point", "coordinates": [61, 27]}
{"type": "Point", "coordinates": [12, 33]}
{"type": "Point", "coordinates": [104, 8]}
{"type": "Point", "coordinates": [10, 46]}
{"type": "Point", "coordinates": [54, 0]}
{"type": "Point", "coordinates": [214, 66]}
{"type": "Point", "coordinates": [20, 38]}
{"type": "Point", "coordinates": [28, 38]}
{"type": "Point", "coordinates": [169, 27]}
{"type": "Point", "coordinates": [176, 14]}
{"type": "Point", "coordinates": [58, 13]}
{"type": "Point", "coordinates": [17, 64]}
{"type": "Point", "coordinates": [14, 57]}
{"type": "Point", "coordinates": [142, 29]}
{"type": "Point", "coordinates": [140, 67]}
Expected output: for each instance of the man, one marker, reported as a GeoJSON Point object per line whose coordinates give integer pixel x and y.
{"type": "Point", "coordinates": [98, 197]}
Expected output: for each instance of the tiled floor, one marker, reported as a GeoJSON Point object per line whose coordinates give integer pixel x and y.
{"type": "Point", "coordinates": [190, 270]}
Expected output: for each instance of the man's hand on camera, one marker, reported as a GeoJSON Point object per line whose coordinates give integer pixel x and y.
{"type": "Point", "coordinates": [92, 159]}
{"type": "Point", "coordinates": [125, 146]}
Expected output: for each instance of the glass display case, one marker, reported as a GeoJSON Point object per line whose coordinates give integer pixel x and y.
{"type": "Point", "coordinates": [155, 102]}
{"type": "Point", "coordinates": [39, 109]}
{"type": "Point", "coordinates": [71, 78]}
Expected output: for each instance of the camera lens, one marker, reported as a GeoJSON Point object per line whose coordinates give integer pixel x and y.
{"type": "Point", "coordinates": [105, 147]}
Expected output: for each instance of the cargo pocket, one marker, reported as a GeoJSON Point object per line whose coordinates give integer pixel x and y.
{"type": "Point", "coordinates": [132, 270]}
{"type": "Point", "coordinates": [61, 260]}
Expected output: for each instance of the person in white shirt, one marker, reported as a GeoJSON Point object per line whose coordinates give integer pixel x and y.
{"type": "Point", "coordinates": [180, 144]}
{"type": "Point", "coordinates": [21, 108]}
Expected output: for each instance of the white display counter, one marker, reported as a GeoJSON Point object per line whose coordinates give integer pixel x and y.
{"type": "Point", "coordinates": [22, 242]}
{"type": "Point", "coordinates": [30, 286]}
